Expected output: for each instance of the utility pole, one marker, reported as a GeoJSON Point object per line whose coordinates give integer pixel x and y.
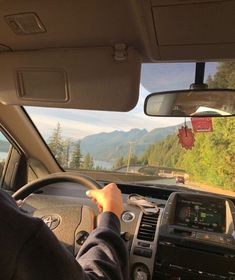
{"type": "Point", "coordinates": [129, 156]}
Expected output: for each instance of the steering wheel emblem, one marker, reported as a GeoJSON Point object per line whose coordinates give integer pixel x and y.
{"type": "Point", "coordinates": [52, 221]}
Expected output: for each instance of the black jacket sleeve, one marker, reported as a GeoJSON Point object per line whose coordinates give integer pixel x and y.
{"type": "Point", "coordinates": [30, 251]}
{"type": "Point", "coordinates": [103, 255]}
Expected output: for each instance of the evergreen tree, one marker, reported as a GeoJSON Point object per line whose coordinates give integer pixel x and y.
{"type": "Point", "coordinates": [134, 159]}
{"type": "Point", "coordinates": [119, 163]}
{"type": "Point", "coordinates": [88, 162]}
{"type": "Point", "coordinates": [76, 157]}
{"type": "Point", "coordinates": [211, 160]}
{"type": "Point", "coordinates": [124, 161]}
{"type": "Point", "coordinates": [56, 144]}
{"type": "Point", "coordinates": [224, 77]}
{"type": "Point", "coordinates": [100, 168]}
{"type": "Point", "coordinates": [165, 153]}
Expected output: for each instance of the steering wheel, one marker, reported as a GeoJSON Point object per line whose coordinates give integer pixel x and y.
{"type": "Point", "coordinates": [31, 187]}
{"type": "Point", "coordinates": [70, 222]}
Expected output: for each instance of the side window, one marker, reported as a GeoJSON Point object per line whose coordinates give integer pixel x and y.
{"type": "Point", "coordinates": [4, 151]}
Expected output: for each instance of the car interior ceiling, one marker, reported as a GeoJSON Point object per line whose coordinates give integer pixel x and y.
{"type": "Point", "coordinates": [88, 55]}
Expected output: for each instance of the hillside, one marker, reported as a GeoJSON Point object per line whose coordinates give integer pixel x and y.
{"type": "Point", "coordinates": [211, 160]}
{"type": "Point", "coordinates": [113, 145]}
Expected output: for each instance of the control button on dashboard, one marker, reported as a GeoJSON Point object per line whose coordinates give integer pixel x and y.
{"type": "Point", "coordinates": [81, 237]}
{"type": "Point", "coordinates": [138, 251]}
{"type": "Point", "coordinates": [147, 253]}
{"type": "Point", "coordinates": [144, 244]}
{"type": "Point", "coordinates": [128, 216]}
{"type": "Point", "coordinates": [143, 252]}
{"type": "Point", "coordinates": [140, 272]}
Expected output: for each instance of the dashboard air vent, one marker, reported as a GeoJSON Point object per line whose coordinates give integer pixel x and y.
{"type": "Point", "coordinates": [147, 227]}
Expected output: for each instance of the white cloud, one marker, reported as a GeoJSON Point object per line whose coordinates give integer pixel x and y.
{"type": "Point", "coordinates": [71, 128]}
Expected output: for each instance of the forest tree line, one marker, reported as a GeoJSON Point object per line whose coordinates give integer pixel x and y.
{"type": "Point", "coordinates": [68, 152]}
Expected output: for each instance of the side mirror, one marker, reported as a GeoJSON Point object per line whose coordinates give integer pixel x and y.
{"type": "Point", "coordinates": [191, 103]}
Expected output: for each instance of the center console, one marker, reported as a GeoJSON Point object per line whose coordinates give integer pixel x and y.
{"type": "Point", "coordinates": [196, 238]}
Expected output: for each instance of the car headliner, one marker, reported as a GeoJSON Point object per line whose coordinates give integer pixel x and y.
{"type": "Point", "coordinates": [89, 53]}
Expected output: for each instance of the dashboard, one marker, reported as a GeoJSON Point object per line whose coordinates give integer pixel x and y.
{"type": "Point", "coordinates": [191, 236]}
{"type": "Point", "coordinates": [196, 238]}
{"type": "Point", "coordinates": [200, 213]}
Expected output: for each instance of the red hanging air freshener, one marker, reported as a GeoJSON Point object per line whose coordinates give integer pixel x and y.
{"type": "Point", "coordinates": [186, 137]}
{"type": "Point", "coordinates": [202, 124]}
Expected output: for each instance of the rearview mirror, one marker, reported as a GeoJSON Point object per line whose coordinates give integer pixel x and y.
{"type": "Point", "coordinates": [191, 103]}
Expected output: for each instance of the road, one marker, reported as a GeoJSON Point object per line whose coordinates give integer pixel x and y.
{"type": "Point", "coordinates": [171, 181]}
{"type": "Point", "coordinates": [205, 188]}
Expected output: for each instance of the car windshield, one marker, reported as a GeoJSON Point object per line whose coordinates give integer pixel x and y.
{"type": "Point", "coordinates": [148, 150]}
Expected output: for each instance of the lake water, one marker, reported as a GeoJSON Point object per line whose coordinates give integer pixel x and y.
{"type": "Point", "coordinates": [3, 155]}
{"type": "Point", "coordinates": [105, 164]}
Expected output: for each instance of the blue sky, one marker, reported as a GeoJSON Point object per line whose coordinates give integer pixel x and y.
{"type": "Point", "coordinates": [77, 124]}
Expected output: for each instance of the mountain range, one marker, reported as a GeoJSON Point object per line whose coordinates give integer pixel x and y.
{"type": "Point", "coordinates": [110, 146]}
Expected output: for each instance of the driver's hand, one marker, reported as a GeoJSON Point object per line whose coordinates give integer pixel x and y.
{"type": "Point", "coordinates": [108, 199]}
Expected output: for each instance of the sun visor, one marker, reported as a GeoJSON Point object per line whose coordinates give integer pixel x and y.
{"type": "Point", "coordinates": [84, 78]}
{"type": "Point", "coordinates": [195, 29]}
